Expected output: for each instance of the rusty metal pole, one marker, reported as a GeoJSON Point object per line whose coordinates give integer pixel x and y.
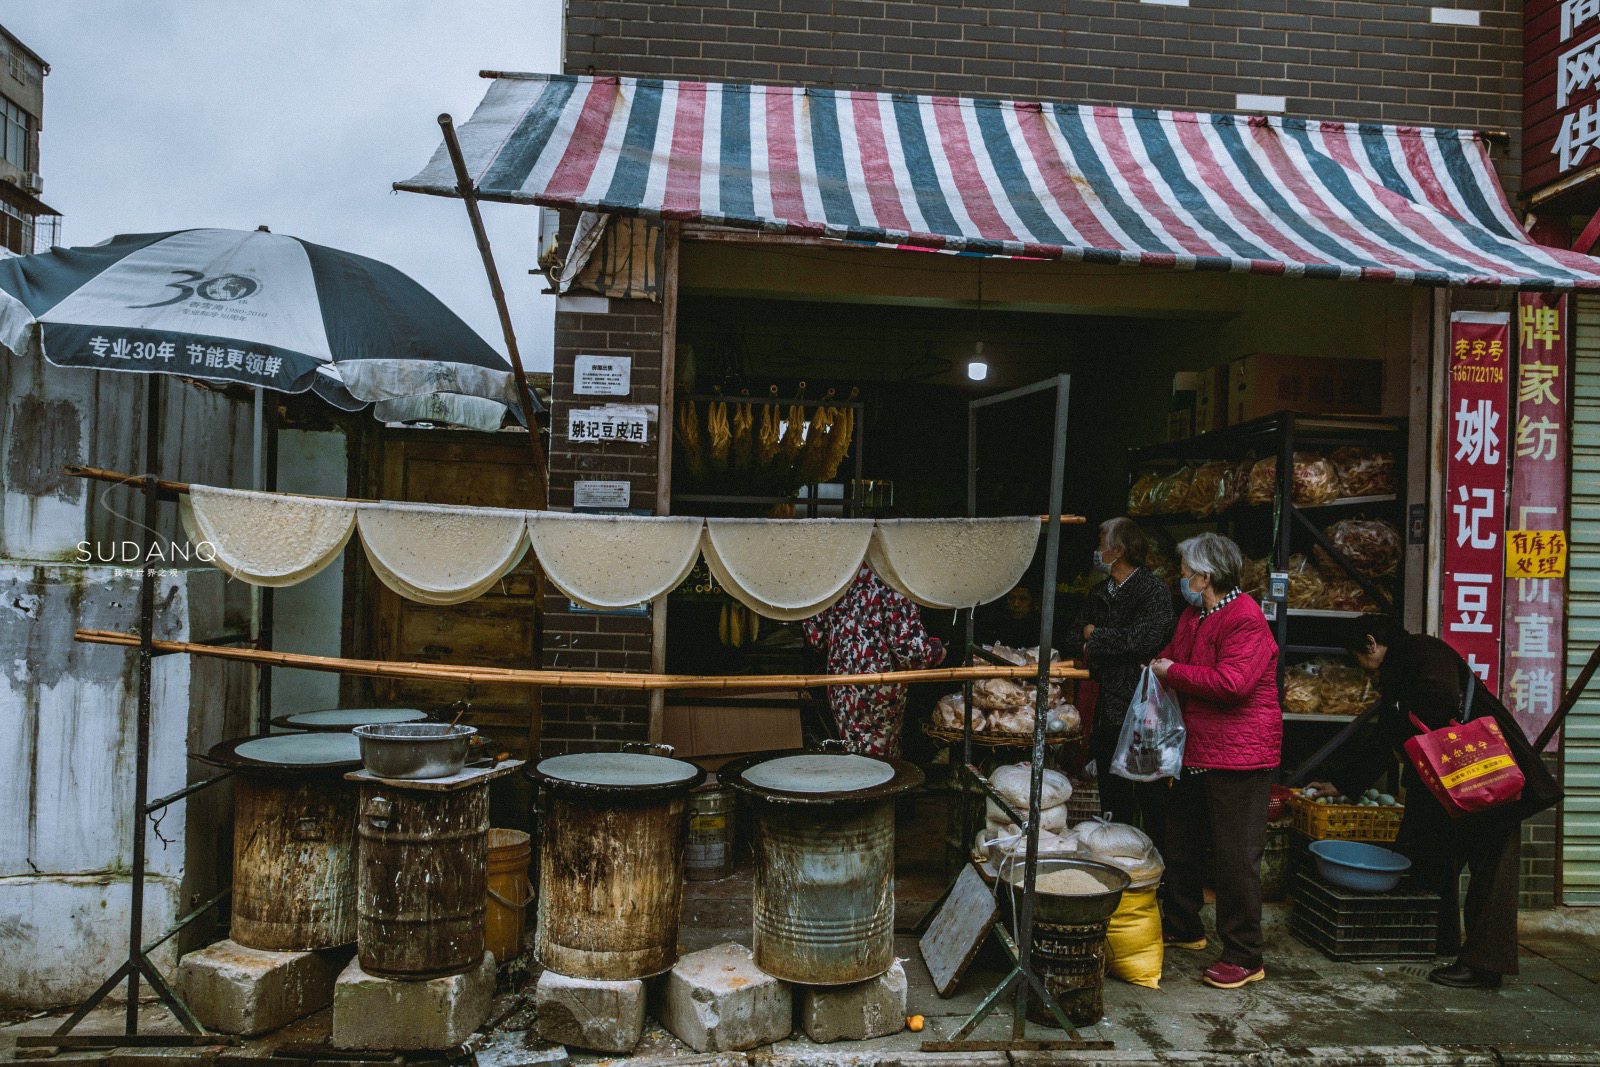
{"type": "Point", "coordinates": [469, 196]}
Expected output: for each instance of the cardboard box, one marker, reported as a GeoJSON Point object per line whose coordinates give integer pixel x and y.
{"type": "Point", "coordinates": [1263, 383]}
{"type": "Point", "coordinates": [1211, 399]}
{"type": "Point", "coordinates": [736, 724]}
{"type": "Point", "coordinates": [1180, 425]}
{"type": "Point", "coordinates": [1180, 415]}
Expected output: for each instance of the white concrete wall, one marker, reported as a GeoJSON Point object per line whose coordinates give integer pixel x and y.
{"type": "Point", "coordinates": [68, 710]}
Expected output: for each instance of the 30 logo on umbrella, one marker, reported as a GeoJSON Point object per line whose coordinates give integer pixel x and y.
{"type": "Point", "coordinates": [221, 289]}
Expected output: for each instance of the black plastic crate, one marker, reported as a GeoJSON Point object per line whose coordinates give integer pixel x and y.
{"type": "Point", "coordinates": [1344, 925]}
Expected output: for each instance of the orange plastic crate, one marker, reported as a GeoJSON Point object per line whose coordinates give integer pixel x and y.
{"type": "Point", "coordinates": [1344, 822]}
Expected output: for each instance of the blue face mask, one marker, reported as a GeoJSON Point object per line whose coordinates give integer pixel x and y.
{"type": "Point", "coordinates": [1192, 597]}
{"type": "Point", "coordinates": [1101, 565]}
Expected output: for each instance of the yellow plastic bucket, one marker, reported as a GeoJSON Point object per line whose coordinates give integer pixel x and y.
{"type": "Point", "coordinates": [509, 893]}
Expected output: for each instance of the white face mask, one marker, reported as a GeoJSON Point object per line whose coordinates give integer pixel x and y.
{"type": "Point", "coordinates": [1100, 563]}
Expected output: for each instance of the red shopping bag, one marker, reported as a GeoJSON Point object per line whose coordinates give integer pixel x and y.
{"type": "Point", "coordinates": [1468, 767]}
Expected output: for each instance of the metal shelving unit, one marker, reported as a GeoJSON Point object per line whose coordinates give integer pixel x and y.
{"type": "Point", "coordinates": [1288, 524]}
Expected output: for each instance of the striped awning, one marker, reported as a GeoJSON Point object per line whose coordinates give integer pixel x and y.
{"type": "Point", "coordinates": [1138, 187]}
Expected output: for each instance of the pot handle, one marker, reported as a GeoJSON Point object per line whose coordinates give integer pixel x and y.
{"type": "Point", "coordinates": [513, 904]}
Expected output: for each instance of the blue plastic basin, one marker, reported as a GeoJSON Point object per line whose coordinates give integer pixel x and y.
{"type": "Point", "coordinates": [1353, 865]}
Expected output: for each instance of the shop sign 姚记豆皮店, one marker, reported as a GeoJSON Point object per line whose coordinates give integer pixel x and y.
{"type": "Point", "coordinates": [1476, 442]}
{"type": "Point", "coordinates": [626, 424]}
{"type": "Point", "coordinates": [1537, 510]}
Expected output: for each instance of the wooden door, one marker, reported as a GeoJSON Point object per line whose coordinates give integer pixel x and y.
{"type": "Point", "coordinates": [502, 628]}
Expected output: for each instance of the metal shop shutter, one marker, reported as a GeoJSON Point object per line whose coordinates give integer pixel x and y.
{"type": "Point", "coordinates": [1581, 821]}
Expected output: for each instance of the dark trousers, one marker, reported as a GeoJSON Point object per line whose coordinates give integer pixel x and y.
{"type": "Point", "coordinates": [1228, 811]}
{"type": "Point", "coordinates": [1488, 846]}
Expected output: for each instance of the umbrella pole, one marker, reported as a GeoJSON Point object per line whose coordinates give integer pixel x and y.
{"type": "Point", "coordinates": [469, 196]}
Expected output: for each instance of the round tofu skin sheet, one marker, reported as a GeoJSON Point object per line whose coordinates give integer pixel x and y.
{"type": "Point", "coordinates": [614, 561]}
{"type": "Point", "coordinates": [786, 569]}
{"type": "Point", "coordinates": [441, 555]}
{"type": "Point", "coordinates": [953, 563]}
{"type": "Point", "coordinates": [266, 539]}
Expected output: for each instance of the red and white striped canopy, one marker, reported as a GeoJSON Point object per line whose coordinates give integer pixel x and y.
{"type": "Point", "coordinates": [1183, 190]}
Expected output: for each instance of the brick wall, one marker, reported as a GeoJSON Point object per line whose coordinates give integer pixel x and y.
{"type": "Point", "coordinates": [1341, 59]}
{"type": "Point", "coordinates": [577, 720]}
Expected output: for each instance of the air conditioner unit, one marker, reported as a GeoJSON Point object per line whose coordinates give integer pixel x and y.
{"type": "Point", "coordinates": [32, 182]}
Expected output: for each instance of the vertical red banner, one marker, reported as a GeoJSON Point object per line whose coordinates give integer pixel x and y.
{"type": "Point", "coordinates": [1475, 489]}
{"type": "Point", "coordinates": [1536, 514]}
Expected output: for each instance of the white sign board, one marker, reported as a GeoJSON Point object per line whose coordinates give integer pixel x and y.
{"type": "Point", "coordinates": [610, 495]}
{"type": "Point", "coordinates": [602, 375]}
{"type": "Point", "coordinates": [612, 424]}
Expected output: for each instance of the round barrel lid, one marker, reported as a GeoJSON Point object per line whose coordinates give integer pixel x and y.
{"type": "Point", "coordinates": [819, 773]}
{"type": "Point", "coordinates": [820, 777]}
{"type": "Point", "coordinates": [618, 773]}
{"type": "Point", "coordinates": [347, 718]}
{"type": "Point", "coordinates": [302, 750]}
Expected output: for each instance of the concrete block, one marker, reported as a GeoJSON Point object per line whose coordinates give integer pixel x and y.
{"type": "Point", "coordinates": [591, 1014]}
{"type": "Point", "coordinates": [236, 990]}
{"type": "Point", "coordinates": [718, 1000]}
{"type": "Point", "coordinates": [383, 1014]}
{"type": "Point", "coordinates": [856, 1012]}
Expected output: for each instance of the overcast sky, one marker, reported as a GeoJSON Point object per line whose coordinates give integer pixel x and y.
{"type": "Point", "coordinates": [292, 114]}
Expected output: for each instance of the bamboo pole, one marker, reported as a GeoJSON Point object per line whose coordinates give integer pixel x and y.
{"type": "Point", "coordinates": [585, 679]}
{"type": "Point", "coordinates": [183, 487]}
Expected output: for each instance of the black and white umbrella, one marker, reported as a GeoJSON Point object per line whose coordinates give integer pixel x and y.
{"type": "Point", "coordinates": [260, 309]}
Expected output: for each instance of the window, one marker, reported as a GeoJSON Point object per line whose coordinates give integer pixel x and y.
{"type": "Point", "coordinates": [17, 123]}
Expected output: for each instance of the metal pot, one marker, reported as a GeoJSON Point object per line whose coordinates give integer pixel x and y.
{"type": "Point", "coordinates": [414, 749]}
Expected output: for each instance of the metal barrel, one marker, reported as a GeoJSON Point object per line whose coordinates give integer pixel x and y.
{"type": "Point", "coordinates": [824, 891]}
{"type": "Point", "coordinates": [1071, 958]}
{"type": "Point", "coordinates": [709, 852]}
{"type": "Point", "coordinates": [422, 885]}
{"type": "Point", "coordinates": [610, 883]}
{"type": "Point", "coordinates": [293, 862]}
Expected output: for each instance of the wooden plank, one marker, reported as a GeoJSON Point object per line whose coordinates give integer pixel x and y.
{"type": "Point", "coordinates": [467, 776]}
{"type": "Point", "coordinates": [957, 932]}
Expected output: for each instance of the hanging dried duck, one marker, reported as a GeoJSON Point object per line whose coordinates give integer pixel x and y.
{"type": "Point", "coordinates": [812, 459]}
{"type": "Point", "coordinates": [794, 432]}
{"type": "Point", "coordinates": [744, 437]}
{"type": "Point", "coordinates": [688, 438]}
{"type": "Point", "coordinates": [719, 434]}
{"type": "Point", "coordinates": [839, 438]}
{"type": "Point", "coordinates": [771, 427]}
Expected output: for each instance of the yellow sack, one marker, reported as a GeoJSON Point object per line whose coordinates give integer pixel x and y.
{"type": "Point", "coordinates": [1133, 939]}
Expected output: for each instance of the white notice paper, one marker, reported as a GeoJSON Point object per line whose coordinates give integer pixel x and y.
{"type": "Point", "coordinates": [606, 495]}
{"type": "Point", "coordinates": [602, 375]}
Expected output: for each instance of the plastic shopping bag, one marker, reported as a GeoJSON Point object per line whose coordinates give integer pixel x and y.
{"type": "Point", "coordinates": [1151, 745]}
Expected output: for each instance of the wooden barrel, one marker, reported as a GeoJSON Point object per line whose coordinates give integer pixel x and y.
{"type": "Point", "coordinates": [293, 862]}
{"type": "Point", "coordinates": [422, 883]}
{"type": "Point", "coordinates": [611, 863]}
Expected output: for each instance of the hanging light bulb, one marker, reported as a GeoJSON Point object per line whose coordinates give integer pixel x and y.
{"type": "Point", "coordinates": [977, 366]}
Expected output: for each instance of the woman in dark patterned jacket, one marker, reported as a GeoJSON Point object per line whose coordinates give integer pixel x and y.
{"type": "Point", "coordinates": [1125, 621]}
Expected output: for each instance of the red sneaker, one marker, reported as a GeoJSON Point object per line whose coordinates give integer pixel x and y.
{"type": "Point", "coordinates": [1231, 976]}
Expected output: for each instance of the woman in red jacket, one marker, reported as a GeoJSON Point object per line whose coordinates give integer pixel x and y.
{"type": "Point", "coordinates": [1222, 664]}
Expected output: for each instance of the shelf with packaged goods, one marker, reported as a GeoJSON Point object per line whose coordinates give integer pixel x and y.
{"type": "Point", "coordinates": [1290, 529]}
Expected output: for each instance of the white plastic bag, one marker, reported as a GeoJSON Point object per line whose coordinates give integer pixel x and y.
{"type": "Point", "coordinates": [1151, 745]}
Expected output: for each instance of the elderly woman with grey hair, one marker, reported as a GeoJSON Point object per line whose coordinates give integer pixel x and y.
{"type": "Point", "coordinates": [1222, 664]}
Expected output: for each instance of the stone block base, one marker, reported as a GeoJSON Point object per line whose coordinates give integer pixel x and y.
{"type": "Point", "coordinates": [718, 1000]}
{"type": "Point", "coordinates": [874, 1008]}
{"type": "Point", "coordinates": [236, 990]}
{"type": "Point", "coordinates": [383, 1014]}
{"type": "Point", "coordinates": [591, 1014]}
